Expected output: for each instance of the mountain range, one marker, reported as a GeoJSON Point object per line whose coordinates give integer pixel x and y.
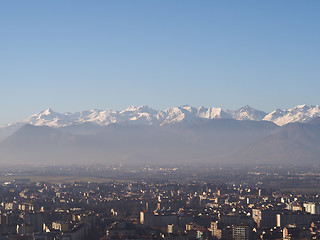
{"type": "Point", "coordinates": [176, 135]}
{"type": "Point", "coordinates": [185, 114]}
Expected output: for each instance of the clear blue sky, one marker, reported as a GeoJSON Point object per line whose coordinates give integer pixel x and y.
{"type": "Point", "coordinates": [78, 55]}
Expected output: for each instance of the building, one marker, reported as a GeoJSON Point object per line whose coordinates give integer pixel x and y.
{"type": "Point", "coordinates": [241, 232]}
{"type": "Point", "coordinates": [265, 218]}
{"type": "Point", "coordinates": [151, 219]}
{"type": "Point", "coordinates": [285, 218]}
{"type": "Point", "coordinates": [311, 207]}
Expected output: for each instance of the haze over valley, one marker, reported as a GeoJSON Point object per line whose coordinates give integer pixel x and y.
{"type": "Point", "coordinates": [178, 135]}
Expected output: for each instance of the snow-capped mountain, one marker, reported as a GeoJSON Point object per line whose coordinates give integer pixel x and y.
{"type": "Point", "coordinates": [145, 115]}
{"type": "Point", "coordinates": [209, 135]}
{"type": "Point", "coordinates": [248, 113]}
{"type": "Point", "coordinates": [50, 118]}
{"type": "Point", "coordinates": [142, 115]}
{"type": "Point", "coordinates": [300, 113]}
{"type": "Point", "coordinates": [190, 114]}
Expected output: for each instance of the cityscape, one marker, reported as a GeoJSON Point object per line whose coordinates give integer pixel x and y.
{"type": "Point", "coordinates": [160, 202]}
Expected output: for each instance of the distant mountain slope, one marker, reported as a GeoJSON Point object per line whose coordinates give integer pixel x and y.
{"type": "Point", "coordinates": [176, 135]}
{"type": "Point", "coordinates": [199, 142]}
{"type": "Point", "coordinates": [32, 144]}
{"type": "Point", "coordinates": [295, 143]}
{"type": "Point", "coordinates": [213, 141]}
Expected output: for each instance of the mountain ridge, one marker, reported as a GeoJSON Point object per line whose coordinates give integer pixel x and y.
{"type": "Point", "coordinates": [172, 115]}
{"type": "Point", "coordinates": [212, 141]}
{"type": "Point", "coordinates": [145, 115]}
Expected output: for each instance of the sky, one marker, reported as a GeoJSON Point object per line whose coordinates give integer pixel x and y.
{"type": "Point", "coordinates": [78, 55]}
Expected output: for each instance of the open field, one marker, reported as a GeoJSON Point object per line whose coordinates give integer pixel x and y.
{"type": "Point", "coordinates": [58, 179]}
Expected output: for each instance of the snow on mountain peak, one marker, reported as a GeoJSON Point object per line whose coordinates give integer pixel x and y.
{"type": "Point", "coordinates": [248, 113]}
{"type": "Point", "coordinates": [48, 111]}
{"type": "Point", "coordinates": [300, 113]}
{"type": "Point", "coordinates": [246, 107]}
{"type": "Point", "coordinates": [184, 114]}
{"type": "Point", "coordinates": [137, 109]}
{"type": "Point", "coordinates": [300, 106]}
{"type": "Point", "coordinates": [212, 113]}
